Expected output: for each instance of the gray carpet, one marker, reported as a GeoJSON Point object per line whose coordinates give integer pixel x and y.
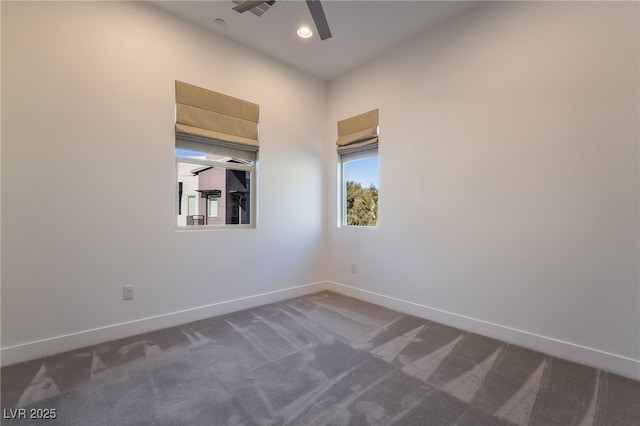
{"type": "Point", "coordinates": [323, 359]}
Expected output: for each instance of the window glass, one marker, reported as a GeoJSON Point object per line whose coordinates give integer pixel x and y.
{"type": "Point", "coordinates": [191, 208]}
{"type": "Point", "coordinates": [213, 206]}
{"type": "Point", "coordinates": [214, 189]}
{"type": "Point", "coordinates": [360, 183]}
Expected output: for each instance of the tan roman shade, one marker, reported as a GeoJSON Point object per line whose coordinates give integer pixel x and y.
{"type": "Point", "coordinates": [205, 116]}
{"type": "Point", "coordinates": [358, 133]}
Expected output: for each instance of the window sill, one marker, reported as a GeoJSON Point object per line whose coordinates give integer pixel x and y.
{"type": "Point", "coordinates": [196, 228]}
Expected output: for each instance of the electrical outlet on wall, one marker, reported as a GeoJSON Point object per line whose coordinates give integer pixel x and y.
{"type": "Point", "coordinates": [353, 268]}
{"type": "Point", "coordinates": [127, 292]}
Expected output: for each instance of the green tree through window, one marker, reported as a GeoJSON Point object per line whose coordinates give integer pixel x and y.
{"type": "Point", "coordinates": [362, 205]}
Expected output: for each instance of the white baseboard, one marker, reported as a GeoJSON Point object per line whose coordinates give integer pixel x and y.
{"type": "Point", "coordinates": [606, 361]}
{"type": "Point", "coordinates": [36, 349]}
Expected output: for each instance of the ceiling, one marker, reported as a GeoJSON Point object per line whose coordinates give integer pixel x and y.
{"type": "Point", "coordinates": [361, 29]}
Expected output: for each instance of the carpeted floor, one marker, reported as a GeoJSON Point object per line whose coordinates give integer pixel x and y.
{"type": "Point", "coordinates": [323, 359]}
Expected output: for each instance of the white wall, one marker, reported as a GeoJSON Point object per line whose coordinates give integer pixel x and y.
{"type": "Point", "coordinates": [88, 175]}
{"type": "Point", "coordinates": [509, 178]}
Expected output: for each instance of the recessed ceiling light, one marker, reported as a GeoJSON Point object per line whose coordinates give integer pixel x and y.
{"type": "Point", "coordinates": [220, 22]}
{"type": "Point", "coordinates": [304, 32]}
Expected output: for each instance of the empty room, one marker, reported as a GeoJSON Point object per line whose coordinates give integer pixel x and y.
{"type": "Point", "coordinates": [320, 213]}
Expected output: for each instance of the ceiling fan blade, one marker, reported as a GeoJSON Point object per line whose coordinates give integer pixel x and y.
{"type": "Point", "coordinates": [317, 13]}
{"type": "Point", "coordinates": [248, 5]}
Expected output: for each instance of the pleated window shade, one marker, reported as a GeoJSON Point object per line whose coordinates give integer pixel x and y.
{"type": "Point", "coordinates": [205, 117]}
{"type": "Point", "coordinates": [358, 133]}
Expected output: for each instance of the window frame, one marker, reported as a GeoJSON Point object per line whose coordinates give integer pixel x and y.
{"type": "Point", "coordinates": [344, 158]}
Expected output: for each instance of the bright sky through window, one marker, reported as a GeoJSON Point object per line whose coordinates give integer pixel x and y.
{"type": "Point", "coordinates": [188, 154]}
{"type": "Point", "coordinates": [363, 171]}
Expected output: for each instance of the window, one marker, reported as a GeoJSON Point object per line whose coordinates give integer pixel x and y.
{"type": "Point", "coordinates": [191, 205]}
{"type": "Point", "coordinates": [359, 200]}
{"type": "Point", "coordinates": [216, 153]}
{"type": "Point", "coordinates": [212, 201]}
{"type": "Point", "coordinates": [219, 187]}
{"type": "Point", "coordinates": [357, 148]}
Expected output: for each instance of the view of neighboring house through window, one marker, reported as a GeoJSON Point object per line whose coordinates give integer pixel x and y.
{"type": "Point", "coordinates": [360, 188]}
{"type": "Point", "coordinates": [216, 188]}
